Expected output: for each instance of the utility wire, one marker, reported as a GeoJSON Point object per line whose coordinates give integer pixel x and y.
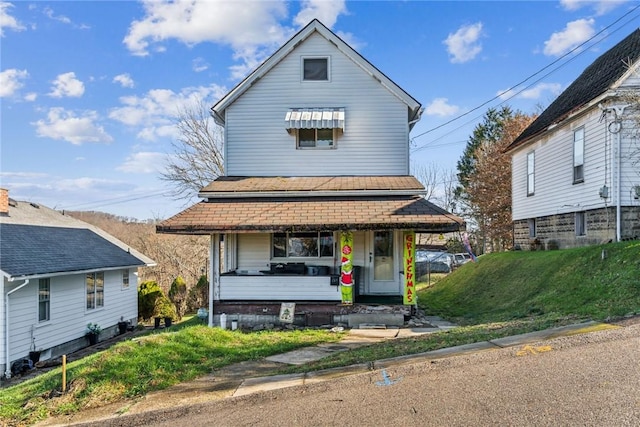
{"type": "Point", "coordinates": [529, 78]}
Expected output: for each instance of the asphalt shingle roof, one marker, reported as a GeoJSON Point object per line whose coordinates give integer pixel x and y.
{"type": "Point", "coordinates": [27, 250]}
{"type": "Point", "coordinates": [311, 214]}
{"type": "Point", "coordinates": [234, 184]}
{"type": "Point", "coordinates": [595, 80]}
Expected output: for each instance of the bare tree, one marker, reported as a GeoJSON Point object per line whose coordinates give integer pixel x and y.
{"type": "Point", "coordinates": [429, 176]}
{"type": "Point", "coordinates": [197, 157]}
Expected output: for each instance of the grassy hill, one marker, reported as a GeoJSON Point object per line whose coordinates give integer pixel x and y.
{"type": "Point", "coordinates": [597, 282]}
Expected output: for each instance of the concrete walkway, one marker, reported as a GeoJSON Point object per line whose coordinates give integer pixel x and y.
{"type": "Point", "coordinates": [360, 337]}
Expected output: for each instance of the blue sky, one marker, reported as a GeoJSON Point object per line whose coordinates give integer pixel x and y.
{"type": "Point", "coordinates": [89, 90]}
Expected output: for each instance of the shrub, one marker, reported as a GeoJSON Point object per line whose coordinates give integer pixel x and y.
{"type": "Point", "coordinates": [164, 308]}
{"type": "Point", "coordinates": [199, 294]}
{"type": "Point", "coordinates": [148, 293]}
{"type": "Point", "coordinates": [178, 295]}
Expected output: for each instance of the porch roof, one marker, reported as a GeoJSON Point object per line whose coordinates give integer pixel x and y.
{"type": "Point", "coordinates": [264, 215]}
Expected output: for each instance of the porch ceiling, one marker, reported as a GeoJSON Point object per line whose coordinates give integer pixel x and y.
{"type": "Point", "coordinates": [256, 215]}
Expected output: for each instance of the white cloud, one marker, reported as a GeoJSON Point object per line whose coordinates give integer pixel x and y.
{"type": "Point", "coordinates": [199, 64]}
{"type": "Point", "coordinates": [325, 11]}
{"type": "Point", "coordinates": [67, 85]}
{"type": "Point", "coordinates": [8, 21]}
{"type": "Point", "coordinates": [601, 7]}
{"type": "Point", "coordinates": [31, 96]}
{"type": "Point", "coordinates": [143, 162]}
{"type": "Point", "coordinates": [125, 80]}
{"type": "Point", "coordinates": [464, 45]}
{"type": "Point", "coordinates": [535, 92]}
{"type": "Point", "coordinates": [60, 18]}
{"type": "Point", "coordinates": [441, 107]}
{"type": "Point", "coordinates": [251, 28]}
{"type": "Point", "coordinates": [65, 125]}
{"type": "Point", "coordinates": [11, 81]}
{"type": "Point", "coordinates": [156, 112]}
{"type": "Point", "coordinates": [575, 33]}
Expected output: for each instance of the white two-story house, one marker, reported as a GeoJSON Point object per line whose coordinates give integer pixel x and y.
{"type": "Point", "coordinates": [317, 206]}
{"type": "Point", "coordinates": [576, 169]}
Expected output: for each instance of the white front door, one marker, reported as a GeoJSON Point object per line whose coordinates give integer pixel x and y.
{"type": "Point", "coordinates": [383, 274]}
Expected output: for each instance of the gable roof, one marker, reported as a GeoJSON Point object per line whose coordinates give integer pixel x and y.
{"type": "Point", "coordinates": [595, 80]}
{"type": "Point", "coordinates": [38, 241]}
{"type": "Point", "coordinates": [316, 26]}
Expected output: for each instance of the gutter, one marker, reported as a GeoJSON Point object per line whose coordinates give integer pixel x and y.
{"type": "Point", "coordinates": [7, 372]}
{"type": "Point", "coordinates": [309, 193]}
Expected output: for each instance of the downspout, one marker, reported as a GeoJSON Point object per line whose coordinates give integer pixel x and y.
{"type": "Point", "coordinates": [7, 372]}
{"type": "Point", "coordinates": [615, 128]}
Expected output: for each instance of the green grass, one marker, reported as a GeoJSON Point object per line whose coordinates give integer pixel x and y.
{"type": "Point", "coordinates": [501, 295]}
{"type": "Point", "coordinates": [150, 362]}
{"type": "Point", "coordinates": [551, 284]}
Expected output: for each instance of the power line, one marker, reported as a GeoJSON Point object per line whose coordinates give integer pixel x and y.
{"type": "Point", "coordinates": [527, 79]}
{"type": "Point", "coordinates": [114, 201]}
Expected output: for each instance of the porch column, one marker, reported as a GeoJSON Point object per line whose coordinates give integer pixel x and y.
{"type": "Point", "coordinates": [214, 268]}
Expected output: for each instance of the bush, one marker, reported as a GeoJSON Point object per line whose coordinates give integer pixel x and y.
{"type": "Point", "coordinates": [199, 295]}
{"type": "Point", "coordinates": [164, 308]}
{"type": "Point", "coordinates": [148, 293]}
{"type": "Point", "coordinates": [178, 295]}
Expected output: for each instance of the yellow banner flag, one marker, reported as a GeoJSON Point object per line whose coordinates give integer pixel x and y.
{"type": "Point", "coordinates": [408, 240]}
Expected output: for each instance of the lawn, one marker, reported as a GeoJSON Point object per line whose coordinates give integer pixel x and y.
{"type": "Point", "coordinates": [502, 294]}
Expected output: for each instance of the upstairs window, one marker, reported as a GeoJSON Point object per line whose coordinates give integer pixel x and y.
{"type": "Point", "coordinates": [578, 156]}
{"type": "Point", "coordinates": [316, 138]}
{"type": "Point", "coordinates": [303, 245]}
{"type": "Point", "coordinates": [315, 69]}
{"type": "Point", "coordinates": [531, 174]}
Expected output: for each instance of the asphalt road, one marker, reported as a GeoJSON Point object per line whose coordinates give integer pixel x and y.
{"type": "Point", "coordinates": [582, 380]}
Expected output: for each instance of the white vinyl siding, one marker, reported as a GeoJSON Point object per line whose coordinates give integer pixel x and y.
{"type": "Point", "coordinates": [375, 137]}
{"type": "Point", "coordinates": [555, 192]}
{"type": "Point", "coordinates": [67, 311]}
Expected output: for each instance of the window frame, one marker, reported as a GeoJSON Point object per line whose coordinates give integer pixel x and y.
{"type": "Point", "coordinates": [533, 230]}
{"type": "Point", "coordinates": [319, 246]}
{"type": "Point", "coordinates": [303, 60]}
{"type": "Point", "coordinates": [315, 145]}
{"type": "Point", "coordinates": [531, 173]}
{"type": "Point", "coordinates": [126, 279]}
{"type": "Point", "coordinates": [578, 158]}
{"type": "Point", "coordinates": [97, 295]}
{"type": "Point", "coordinates": [46, 300]}
{"type": "Point", "coordinates": [580, 220]}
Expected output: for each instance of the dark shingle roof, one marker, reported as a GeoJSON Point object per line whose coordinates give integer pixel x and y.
{"type": "Point", "coordinates": [27, 250]}
{"type": "Point", "coordinates": [595, 80]}
{"type": "Point", "coordinates": [311, 214]}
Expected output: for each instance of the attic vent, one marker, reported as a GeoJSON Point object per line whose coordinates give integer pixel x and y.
{"type": "Point", "coordinates": [34, 205]}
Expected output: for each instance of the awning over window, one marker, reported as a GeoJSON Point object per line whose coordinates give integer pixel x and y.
{"type": "Point", "coordinates": [314, 118]}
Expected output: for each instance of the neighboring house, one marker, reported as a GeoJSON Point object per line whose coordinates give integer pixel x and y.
{"type": "Point", "coordinates": [317, 203]}
{"type": "Point", "coordinates": [576, 169]}
{"type": "Point", "coordinates": [58, 275]}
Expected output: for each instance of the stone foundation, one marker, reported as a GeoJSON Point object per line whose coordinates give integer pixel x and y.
{"type": "Point", "coordinates": [558, 231]}
{"type": "Point", "coordinates": [255, 314]}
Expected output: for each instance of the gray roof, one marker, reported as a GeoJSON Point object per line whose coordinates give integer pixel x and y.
{"type": "Point", "coordinates": [594, 81]}
{"type": "Point", "coordinates": [36, 240]}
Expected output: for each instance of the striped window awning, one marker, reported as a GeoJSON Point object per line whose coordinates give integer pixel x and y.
{"type": "Point", "coordinates": [314, 118]}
